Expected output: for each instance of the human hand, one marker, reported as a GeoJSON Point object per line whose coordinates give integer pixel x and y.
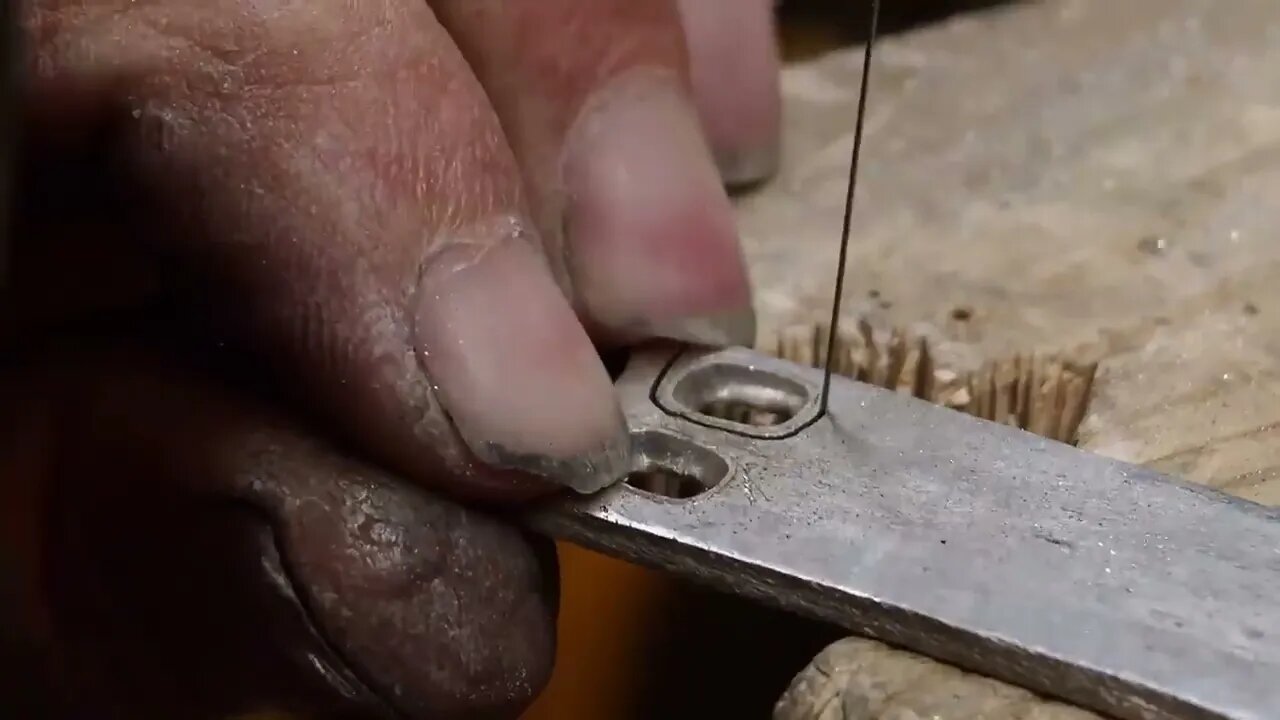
{"type": "Point", "coordinates": [272, 258]}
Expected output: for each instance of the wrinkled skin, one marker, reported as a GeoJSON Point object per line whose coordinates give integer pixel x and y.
{"type": "Point", "coordinates": [306, 295]}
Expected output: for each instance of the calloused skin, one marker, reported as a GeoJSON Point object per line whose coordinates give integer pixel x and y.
{"type": "Point", "coordinates": [306, 295]}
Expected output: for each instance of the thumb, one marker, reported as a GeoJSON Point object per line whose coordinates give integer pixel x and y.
{"type": "Point", "coordinates": [344, 204]}
{"type": "Point", "coordinates": [203, 556]}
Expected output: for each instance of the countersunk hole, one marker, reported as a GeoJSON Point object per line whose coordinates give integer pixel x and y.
{"type": "Point", "coordinates": [745, 413]}
{"type": "Point", "coordinates": [666, 482]}
{"type": "Point", "coordinates": [742, 395]}
{"type": "Point", "coordinates": [673, 467]}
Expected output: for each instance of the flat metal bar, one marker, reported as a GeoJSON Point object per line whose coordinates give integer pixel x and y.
{"type": "Point", "coordinates": [1097, 582]}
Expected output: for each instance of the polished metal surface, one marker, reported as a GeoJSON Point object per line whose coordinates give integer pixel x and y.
{"type": "Point", "coordinates": [1093, 581]}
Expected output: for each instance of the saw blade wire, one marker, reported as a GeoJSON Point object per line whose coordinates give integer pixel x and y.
{"type": "Point", "coordinates": [834, 325]}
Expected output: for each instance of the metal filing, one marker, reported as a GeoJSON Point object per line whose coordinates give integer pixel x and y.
{"type": "Point", "coordinates": [1085, 579]}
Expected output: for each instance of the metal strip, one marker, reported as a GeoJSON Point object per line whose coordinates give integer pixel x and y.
{"type": "Point", "coordinates": [1085, 579]}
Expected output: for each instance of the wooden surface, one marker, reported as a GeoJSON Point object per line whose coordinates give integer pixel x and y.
{"type": "Point", "coordinates": [857, 679]}
{"type": "Point", "coordinates": [1092, 183]}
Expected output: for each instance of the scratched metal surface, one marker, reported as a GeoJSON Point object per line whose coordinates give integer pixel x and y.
{"type": "Point", "coordinates": [1080, 577]}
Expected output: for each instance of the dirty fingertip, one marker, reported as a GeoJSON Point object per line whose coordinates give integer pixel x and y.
{"type": "Point", "coordinates": [746, 167]}
{"type": "Point", "coordinates": [722, 329]}
{"type": "Point", "coordinates": [654, 244]}
{"type": "Point", "coordinates": [727, 329]}
{"type": "Point", "coordinates": [512, 365]}
{"type": "Point", "coordinates": [735, 68]}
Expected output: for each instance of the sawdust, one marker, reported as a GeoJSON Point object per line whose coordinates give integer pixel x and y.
{"type": "Point", "coordinates": [1047, 394]}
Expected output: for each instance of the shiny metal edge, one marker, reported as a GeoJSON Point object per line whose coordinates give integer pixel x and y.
{"type": "Point", "coordinates": [1084, 579]}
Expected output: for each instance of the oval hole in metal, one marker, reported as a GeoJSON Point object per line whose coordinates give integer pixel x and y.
{"type": "Point", "coordinates": [673, 467]}
{"type": "Point", "coordinates": [742, 395]}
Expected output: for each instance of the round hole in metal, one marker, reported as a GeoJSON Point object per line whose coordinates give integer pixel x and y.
{"type": "Point", "coordinates": [673, 467]}
{"type": "Point", "coordinates": [742, 395]}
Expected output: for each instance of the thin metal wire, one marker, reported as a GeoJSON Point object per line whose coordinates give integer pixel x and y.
{"type": "Point", "coordinates": [848, 208]}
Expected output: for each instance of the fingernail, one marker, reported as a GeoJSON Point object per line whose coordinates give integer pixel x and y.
{"type": "Point", "coordinates": [735, 69]}
{"type": "Point", "coordinates": [721, 330]}
{"type": "Point", "coordinates": [651, 231]}
{"type": "Point", "coordinates": [742, 168]}
{"type": "Point", "coordinates": [512, 365]}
